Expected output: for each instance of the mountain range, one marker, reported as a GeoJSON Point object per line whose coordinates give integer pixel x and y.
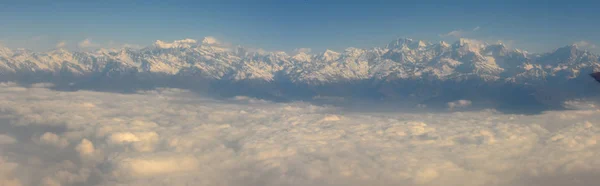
{"type": "Point", "coordinates": [412, 71]}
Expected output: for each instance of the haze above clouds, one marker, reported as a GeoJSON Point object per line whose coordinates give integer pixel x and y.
{"type": "Point", "coordinates": [174, 137]}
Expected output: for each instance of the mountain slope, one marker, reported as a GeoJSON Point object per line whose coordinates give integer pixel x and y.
{"type": "Point", "coordinates": [403, 68]}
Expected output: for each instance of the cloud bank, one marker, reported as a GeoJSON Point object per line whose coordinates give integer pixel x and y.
{"type": "Point", "coordinates": [173, 137]}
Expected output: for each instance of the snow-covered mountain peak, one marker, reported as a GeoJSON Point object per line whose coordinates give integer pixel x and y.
{"type": "Point", "coordinates": [418, 45]}
{"type": "Point", "coordinates": [261, 52]}
{"type": "Point", "coordinates": [524, 52]}
{"type": "Point", "coordinates": [4, 51]}
{"type": "Point", "coordinates": [573, 49]}
{"type": "Point", "coordinates": [498, 49]}
{"type": "Point", "coordinates": [302, 57]}
{"type": "Point", "coordinates": [185, 43]}
{"type": "Point", "coordinates": [398, 43]}
{"type": "Point", "coordinates": [406, 44]}
{"type": "Point", "coordinates": [329, 55]}
{"type": "Point", "coordinates": [101, 51]}
{"type": "Point", "coordinates": [22, 51]}
{"type": "Point", "coordinates": [351, 51]}
{"type": "Point", "coordinates": [443, 44]}
{"type": "Point", "coordinates": [403, 58]}
{"type": "Point", "coordinates": [568, 51]}
{"type": "Point", "coordinates": [471, 42]}
{"type": "Point", "coordinates": [210, 41]}
{"type": "Point", "coordinates": [279, 53]}
{"type": "Point", "coordinates": [470, 45]}
{"type": "Point", "coordinates": [62, 51]}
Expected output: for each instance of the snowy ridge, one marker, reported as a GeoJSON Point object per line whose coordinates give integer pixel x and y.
{"type": "Point", "coordinates": [404, 66]}
{"type": "Point", "coordinates": [401, 59]}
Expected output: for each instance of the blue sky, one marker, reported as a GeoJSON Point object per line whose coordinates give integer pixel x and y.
{"type": "Point", "coordinates": [288, 24]}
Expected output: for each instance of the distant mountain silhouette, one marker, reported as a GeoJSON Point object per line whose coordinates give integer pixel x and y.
{"type": "Point", "coordinates": [596, 76]}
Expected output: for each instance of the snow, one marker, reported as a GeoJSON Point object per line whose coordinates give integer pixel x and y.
{"type": "Point", "coordinates": [444, 44]}
{"type": "Point", "coordinates": [528, 66]}
{"type": "Point", "coordinates": [329, 55]}
{"type": "Point", "coordinates": [6, 52]}
{"type": "Point", "coordinates": [302, 57]}
{"type": "Point", "coordinates": [403, 58]}
{"type": "Point", "coordinates": [209, 41]}
{"type": "Point", "coordinates": [185, 43]}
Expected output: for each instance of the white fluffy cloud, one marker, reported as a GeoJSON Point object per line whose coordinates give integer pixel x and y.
{"type": "Point", "coordinates": [172, 137]}
{"type": "Point", "coordinates": [86, 43]}
{"type": "Point", "coordinates": [61, 44]}
{"type": "Point", "coordinates": [50, 138]}
{"type": "Point", "coordinates": [85, 148]}
{"type": "Point", "coordinates": [6, 173]}
{"type": "Point", "coordinates": [4, 139]}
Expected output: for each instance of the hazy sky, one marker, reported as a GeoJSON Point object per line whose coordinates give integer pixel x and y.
{"type": "Point", "coordinates": [285, 25]}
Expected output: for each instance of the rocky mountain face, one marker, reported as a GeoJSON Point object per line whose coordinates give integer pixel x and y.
{"type": "Point", "coordinates": [405, 69]}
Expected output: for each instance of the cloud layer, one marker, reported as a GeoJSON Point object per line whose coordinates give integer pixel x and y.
{"type": "Point", "coordinates": [172, 137]}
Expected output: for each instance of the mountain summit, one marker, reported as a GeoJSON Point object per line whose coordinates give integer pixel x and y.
{"type": "Point", "coordinates": [412, 62]}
